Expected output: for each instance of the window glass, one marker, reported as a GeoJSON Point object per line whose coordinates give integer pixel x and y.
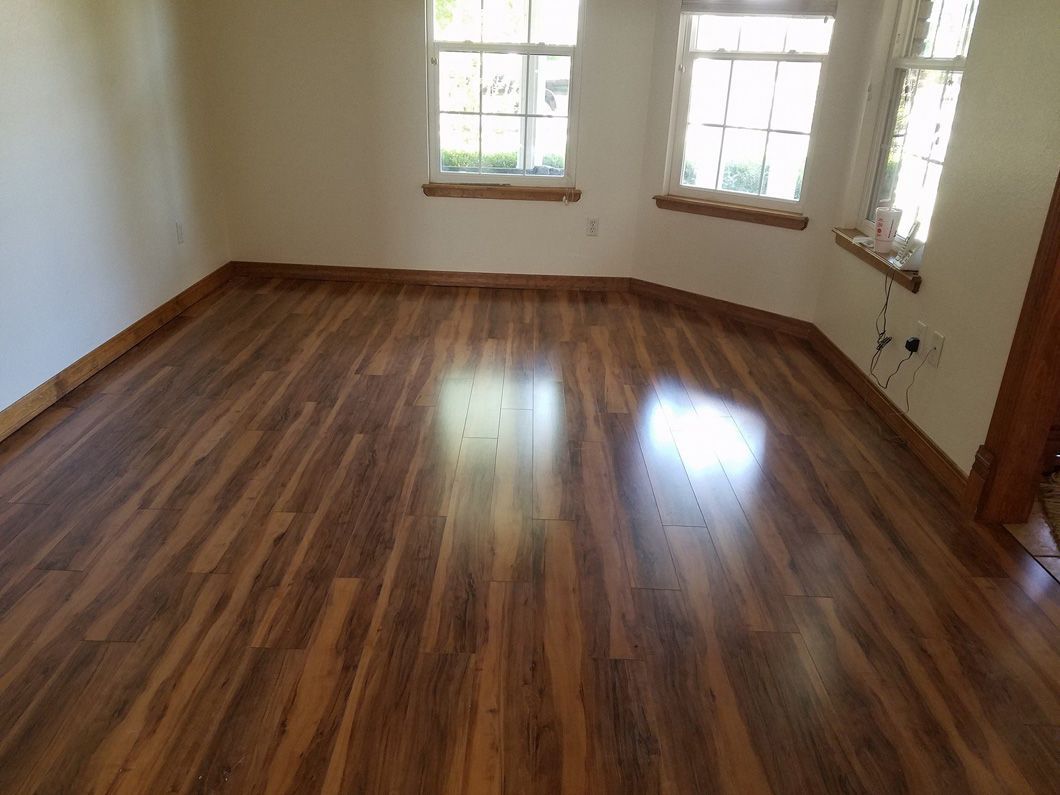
{"type": "Point", "coordinates": [796, 96]}
{"type": "Point", "coordinates": [554, 22]}
{"type": "Point", "coordinates": [505, 20]}
{"type": "Point", "coordinates": [710, 91]}
{"type": "Point", "coordinates": [458, 81]}
{"type": "Point", "coordinates": [948, 28]}
{"type": "Point", "coordinates": [702, 157]}
{"type": "Point", "coordinates": [458, 20]}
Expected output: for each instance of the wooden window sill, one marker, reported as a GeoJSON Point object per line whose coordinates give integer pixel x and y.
{"type": "Point", "coordinates": [734, 212]}
{"type": "Point", "coordinates": [523, 193]}
{"type": "Point", "coordinates": [910, 280]}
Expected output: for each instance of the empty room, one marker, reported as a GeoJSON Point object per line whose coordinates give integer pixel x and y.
{"type": "Point", "coordinates": [530, 396]}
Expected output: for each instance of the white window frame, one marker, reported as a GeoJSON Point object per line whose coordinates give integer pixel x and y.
{"type": "Point", "coordinates": [434, 48]}
{"type": "Point", "coordinates": [898, 62]}
{"type": "Point", "coordinates": [681, 107]}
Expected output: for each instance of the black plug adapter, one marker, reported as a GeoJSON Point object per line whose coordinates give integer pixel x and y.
{"type": "Point", "coordinates": [912, 344]}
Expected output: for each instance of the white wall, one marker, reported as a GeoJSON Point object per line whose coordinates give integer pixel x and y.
{"type": "Point", "coordinates": [1000, 172]}
{"type": "Point", "coordinates": [101, 153]}
{"type": "Point", "coordinates": [322, 108]}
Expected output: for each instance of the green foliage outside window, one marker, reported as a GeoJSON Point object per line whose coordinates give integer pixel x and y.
{"type": "Point", "coordinates": [456, 160]}
{"type": "Point", "coordinates": [739, 177]}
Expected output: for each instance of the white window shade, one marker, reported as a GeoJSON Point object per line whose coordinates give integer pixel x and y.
{"type": "Point", "coordinates": [793, 8]}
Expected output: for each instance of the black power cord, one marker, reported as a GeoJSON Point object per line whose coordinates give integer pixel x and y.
{"type": "Point", "coordinates": [887, 382]}
{"type": "Point", "coordinates": [913, 379]}
{"type": "Point", "coordinates": [882, 340]}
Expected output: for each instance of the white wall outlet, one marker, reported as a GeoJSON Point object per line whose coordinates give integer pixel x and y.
{"type": "Point", "coordinates": [935, 345]}
{"type": "Point", "coordinates": [180, 233]}
{"type": "Point", "coordinates": [592, 227]}
{"type": "Point", "coordinates": [921, 334]}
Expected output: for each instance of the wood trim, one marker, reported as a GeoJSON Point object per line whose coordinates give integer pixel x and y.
{"type": "Point", "coordinates": [910, 280]}
{"type": "Point", "coordinates": [978, 478]}
{"type": "Point", "coordinates": [948, 474]}
{"type": "Point", "coordinates": [29, 406]}
{"type": "Point", "coordinates": [733, 212]}
{"type": "Point", "coordinates": [1030, 389]}
{"type": "Point", "coordinates": [517, 281]}
{"type": "Point", "coordinates": [746, 314]}
{"type": "Point", "coordinates": [523, 193]}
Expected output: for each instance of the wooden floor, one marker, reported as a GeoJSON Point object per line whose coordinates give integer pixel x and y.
{"type": "Point", "coordinates": [372, 539]}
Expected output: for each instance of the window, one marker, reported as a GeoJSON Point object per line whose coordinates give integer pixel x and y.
{"type": "Point", "coordinates": [924, 83]}
{"type": "Point", "coordinates": [747, 93]}
{"type": "Point", "coordinates": [502, 90]}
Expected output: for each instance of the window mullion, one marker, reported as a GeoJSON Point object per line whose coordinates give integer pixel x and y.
{"type": "Point", "coordinates": [724, 129]}
{"type": "Point", "coordinates": [679, 114]}
{"type": "Point", "coordinates": [893, 126]}
{"type": "Point", "coordinates": [769, 127]}
{"type": "Point", "coordinates": [525, 92]}
{"type": "Point", "coordinates": [725, 55]}
{"type": "Point", "coordinates": [935, 64]}
{"type": "Point", "coordinates": [502, 48]}
{"type": "Point", "coordinates": [481, 77]}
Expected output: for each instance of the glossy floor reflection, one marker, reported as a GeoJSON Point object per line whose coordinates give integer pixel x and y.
{"type": "Point", "coordinates": [321, 537]}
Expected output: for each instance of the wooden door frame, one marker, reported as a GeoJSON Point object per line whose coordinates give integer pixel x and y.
{"type": "Point", "coordinates": [1007, 467]}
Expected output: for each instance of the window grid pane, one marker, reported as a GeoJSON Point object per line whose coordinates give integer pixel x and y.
{"type": "Point", "coordinates": [518, 91]}
{"type": "Point", "coordinates": [942, 28]}
{"type": "Point", "coordinates": [721, 33]}
{"type": "Point", "coordinates": [521, 105]}
{"type": "Point", "coordinates": [753, 138]}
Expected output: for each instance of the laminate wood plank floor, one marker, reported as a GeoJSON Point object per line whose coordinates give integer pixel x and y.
{"type": "Point", "coordinates": [354, 538]}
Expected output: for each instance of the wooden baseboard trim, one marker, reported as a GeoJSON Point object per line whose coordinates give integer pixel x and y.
{"type": "Point", "coordinates": [948, 474]}
{"type": "Point", "coordinates": [514, 281]}
{"type": "Point", "coordinates": [978, 480]}
{"type": "Point", "coordinates": [746, 314]}
{"type": "Point", "coordinates": [29, 406]}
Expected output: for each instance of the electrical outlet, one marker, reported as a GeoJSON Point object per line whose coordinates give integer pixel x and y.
{"type": "Point", "coordinates": [921, 334]}
{"type": "Point", "coordinates": [935, 345]}
{"type": "Point", "coordinates": [180, 233]}
{"type": "Point", "coordinates": [592, 227]}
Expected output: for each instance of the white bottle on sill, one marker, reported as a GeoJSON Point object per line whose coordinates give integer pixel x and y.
{"type": "Point", "coordinates": [887, 219]}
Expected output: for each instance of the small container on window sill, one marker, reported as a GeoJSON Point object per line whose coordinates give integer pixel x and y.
{"type": "Point", "coordinates": [908, 258]}
{"type": "Point", "coordinates": [887, 220]}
